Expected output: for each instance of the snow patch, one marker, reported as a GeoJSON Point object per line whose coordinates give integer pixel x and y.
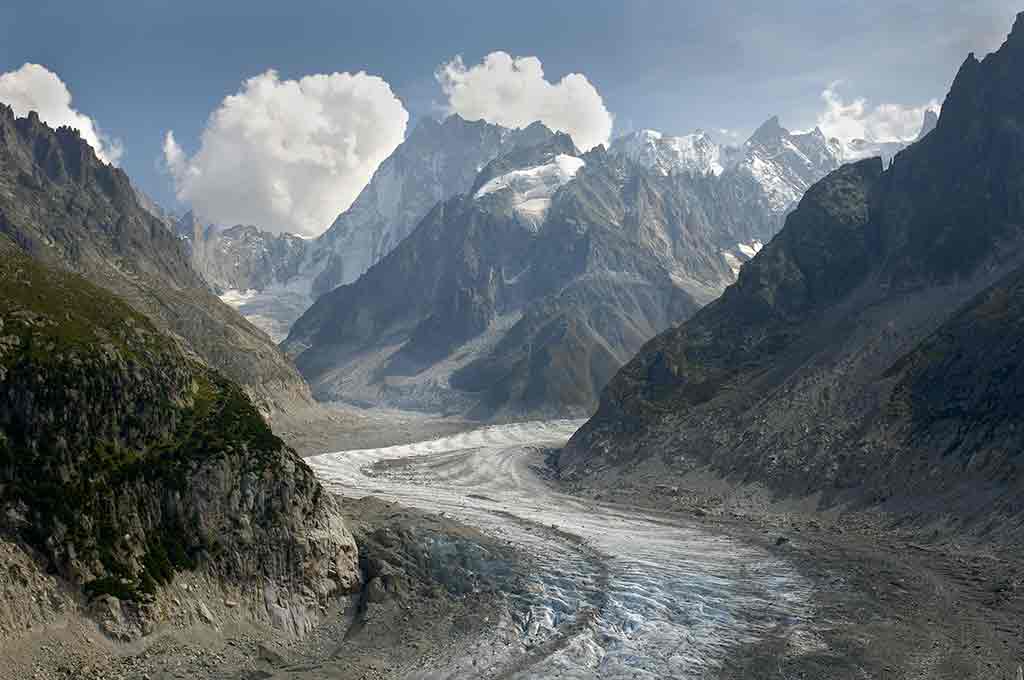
{"type": "Point", "coordinates": [532, 188]}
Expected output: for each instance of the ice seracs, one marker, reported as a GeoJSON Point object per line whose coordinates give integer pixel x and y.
{"type": "Point", "coordinates": [532, 188]}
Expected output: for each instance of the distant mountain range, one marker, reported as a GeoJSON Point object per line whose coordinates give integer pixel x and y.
{"type": "Point", "coordinates": [871, 352]}
{"type": "Point", "coordinates": [523, 295]}
{"type": "Point", "coordinates": [273, 278]}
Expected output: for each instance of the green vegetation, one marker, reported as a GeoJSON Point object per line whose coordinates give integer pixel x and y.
{"type": "Point", "coordinates": [109, 424]}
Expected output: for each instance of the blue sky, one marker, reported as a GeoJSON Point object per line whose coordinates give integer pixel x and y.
{"type": "Point", "coordinates": [144, 67]}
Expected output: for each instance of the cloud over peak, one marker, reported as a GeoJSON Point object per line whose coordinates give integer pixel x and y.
{"type": "Point", "coordinates": [289, 155]}
{"type": "Point", "coordinates": [513, 92]}
{"type": "Point", "coordinates": [35, 88]}
{"type": "Point", "coordinates": [855, 119]}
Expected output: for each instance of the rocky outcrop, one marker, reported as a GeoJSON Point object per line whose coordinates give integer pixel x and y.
{"type": "Point", "coordinates": [69, 209]}
{"type": "Point", "coordinates": [124, 462]}
{"type": "Point", "coordinates": [835, 364]}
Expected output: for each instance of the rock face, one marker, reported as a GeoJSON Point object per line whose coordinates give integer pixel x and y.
{"type": "Point", "coordinates": [245, 257]}
{"type": "Point", "coordinates": [436, 162]}
{"type": "Point", "coordinates": [523, 296]}
{"type": "Point", "coordinates": [67, 208]}
{"type": "Point", "coordinates": [123, 461]}
{"type": "Point", "coordinates": [838, 362]}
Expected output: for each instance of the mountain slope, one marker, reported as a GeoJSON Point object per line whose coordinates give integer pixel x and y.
{"type": "Point", "coordinates": [786, 379]}
{"type": "Point", "coordinates": [65, 207]}
{"type": "Point", "coordinates": [526, 294]}
{"type": "Point", "coordinates": [272, 279]}
{"type": "Point", "coordinates": [122, 461]}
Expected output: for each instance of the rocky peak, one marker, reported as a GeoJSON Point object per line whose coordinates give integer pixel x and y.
{"type": "Point", "coordinates": [696, 152]}
{"type": "Point", "coordinates": [526, 157]}
{"type": "Point", "coordinates": [769, 131]}
{"type": "Point", "coordinates": [931, 119]}
{"type": "Point", "coordinates": [64, 156]}
{"type": "Point", "coordinates": [1016, 37]}
{"type": "Point", "coordinates": [984, 91]}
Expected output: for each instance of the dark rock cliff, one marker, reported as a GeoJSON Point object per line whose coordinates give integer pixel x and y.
{"type": "Point", "coordinates": [796, 376]}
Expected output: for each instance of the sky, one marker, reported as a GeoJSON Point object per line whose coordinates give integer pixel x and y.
{"type": "Point", "coordinates": [279, 112]}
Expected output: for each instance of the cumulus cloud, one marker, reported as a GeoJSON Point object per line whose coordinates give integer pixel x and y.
{"type": "Point", "coordinates": [856, 119]}
{"type": "Point", "coordinates": [513, 92]}
{"type": "Point", "coordinates": [289, 155]}
{"type": "Point", "coordinates": [35, 88]}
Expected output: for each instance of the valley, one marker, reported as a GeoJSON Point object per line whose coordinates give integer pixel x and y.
{"type": "Point", "coordinates": [544, 580]}
{"type": "Point", "coordinates": [421, 367]}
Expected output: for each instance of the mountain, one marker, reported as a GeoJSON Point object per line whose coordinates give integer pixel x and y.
{"type": "Point", "coordinates": [436, 162]}
{"type": "Point", "coordinates": [696, 152]}
{"type": "Point", "coordinates": [524, 295]}
{"type": "Point", "coordinates": [69, 209]}
{"type": "Point", "coordinates": [775, 163]}
{"type": "Point", "coordinates": [124, 461]}
{"type": "Point", "coordinates": [256, 272]}
{"type": "Point", "coordinates": [245, 257]}
{"type": "Point", "coordinates": [869, 352]}
{"type": "Point", "coordinates": [271, 279]}
{"type": "Point", "coordinates": [784, 164]}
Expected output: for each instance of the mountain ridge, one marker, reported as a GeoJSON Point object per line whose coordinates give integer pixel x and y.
{"type": "Point", "coordinates": [784, 380]}
{"type": "Point", "coordinates": [67, 208]}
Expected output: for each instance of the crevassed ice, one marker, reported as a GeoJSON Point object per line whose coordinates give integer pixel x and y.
{"type": "Point", "coordinates": [532, 188]}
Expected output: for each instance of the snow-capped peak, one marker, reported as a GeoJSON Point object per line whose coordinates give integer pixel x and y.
{"type": "Point", "coordinates": [695, 152]}
{"type": "Point", "coordinates": [532, 188]}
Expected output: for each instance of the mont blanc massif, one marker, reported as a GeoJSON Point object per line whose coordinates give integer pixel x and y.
{"type": "Point", "coordinates": [536, 404]}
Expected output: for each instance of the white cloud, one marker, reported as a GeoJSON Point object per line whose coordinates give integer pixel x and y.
{"type": "Point", "coordinates": [35, 88]}
{"type": "Point", "coordinates": [855, 119]}
{"type": "Point", "coordinates": [513, 92]}
{"type": "Point", "coordinates": [289, 155]}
